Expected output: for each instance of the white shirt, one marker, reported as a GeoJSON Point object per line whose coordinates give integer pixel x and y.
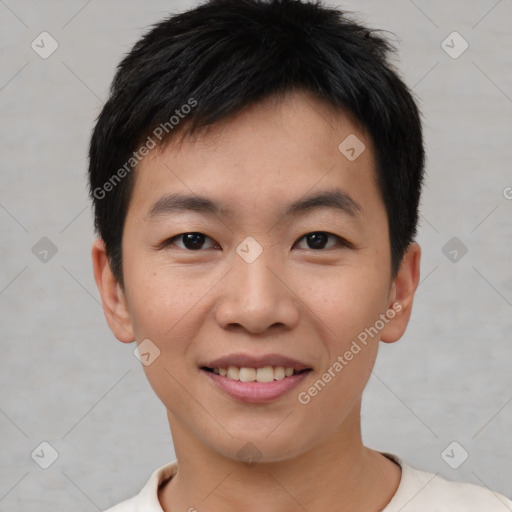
{"type": "Point", "coordinates": [418, 491]}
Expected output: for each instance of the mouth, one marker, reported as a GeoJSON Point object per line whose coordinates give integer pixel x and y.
{"type": "Point", "coordinates": [252, 379]}
{"type": "Point", "coordinates": [262, 374]}
{"type": "Point", "coordinates": [255, 378]}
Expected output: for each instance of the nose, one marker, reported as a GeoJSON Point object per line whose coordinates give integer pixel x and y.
{"type": "Point", "coordinates": [256, 296]}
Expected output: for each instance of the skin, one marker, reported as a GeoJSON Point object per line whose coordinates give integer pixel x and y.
{"type": "Point", "coordinates": [305, 303]}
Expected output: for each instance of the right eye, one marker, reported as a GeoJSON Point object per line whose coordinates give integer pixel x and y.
{"type": "Point", "coordinates": [191, 241]}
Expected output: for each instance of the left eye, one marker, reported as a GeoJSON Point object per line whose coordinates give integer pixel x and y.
{"type": "Point", "coordinates": [318, 240]}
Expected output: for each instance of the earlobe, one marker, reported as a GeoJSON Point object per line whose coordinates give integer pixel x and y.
{"type": "Point", "coordinates": [112, 295]}
{"type": "Point", "coordinates": [402, 294]}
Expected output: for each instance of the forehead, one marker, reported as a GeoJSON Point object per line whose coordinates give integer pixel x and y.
{"type": "Point", "coordinates": [273, 152]}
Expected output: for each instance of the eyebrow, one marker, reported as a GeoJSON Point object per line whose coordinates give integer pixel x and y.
{"type": "Point", "coordinates": [333, 199]}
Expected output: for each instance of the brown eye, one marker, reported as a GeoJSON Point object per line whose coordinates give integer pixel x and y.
{"type": "Point", "coordinates": [190, 241]}
{"type": "Point", "coordinates": [319, 240]}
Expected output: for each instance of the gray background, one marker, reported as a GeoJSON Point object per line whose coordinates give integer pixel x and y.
{"type": "Point", "coordinates": [66, 380]}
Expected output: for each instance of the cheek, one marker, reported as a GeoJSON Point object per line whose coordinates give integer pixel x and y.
{"type": "Point", "coordinates": [169, 305]}
{"type": "Point", "coordinates": [162, 302]}
{"type": "Point", "coordinates": [346, 307]}
{"type": "Point", "coordinates": [164, 308]}
{"type": "Point", "coordinates": [346, 301]}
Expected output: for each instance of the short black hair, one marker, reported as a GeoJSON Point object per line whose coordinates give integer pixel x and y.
{"type": "Point", "coordinates": [209, 63]}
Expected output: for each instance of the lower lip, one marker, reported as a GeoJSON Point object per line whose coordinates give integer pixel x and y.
{"type": "Point", "coordinates": [256, 391]}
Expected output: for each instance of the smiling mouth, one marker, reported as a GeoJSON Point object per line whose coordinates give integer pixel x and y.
{"type": "Point", "coordinates": [263, 374]}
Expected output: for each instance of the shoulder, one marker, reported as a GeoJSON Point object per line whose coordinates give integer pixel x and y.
{"type": "Point", "coordinates": [125, 506]}
{"type": "Point", "coordinates": [147, 498]}
{"type": "Point", "coordinates": [422, 491]}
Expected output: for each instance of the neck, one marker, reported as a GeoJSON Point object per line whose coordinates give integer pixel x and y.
{"type": "Point", "coordinates": [339, 472]}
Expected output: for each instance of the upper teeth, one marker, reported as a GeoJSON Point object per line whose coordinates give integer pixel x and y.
{"type": "Point", "coordinates": [244, 374]}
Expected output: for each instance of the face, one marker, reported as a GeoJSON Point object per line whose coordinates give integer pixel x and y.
{"type": "Point", "coordinates": [259, 269]}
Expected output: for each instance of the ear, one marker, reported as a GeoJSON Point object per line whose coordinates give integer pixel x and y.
{"type": "Point", "coordinates": [402, 294]}
{"type": "Point", "coordinates": [112, 295]}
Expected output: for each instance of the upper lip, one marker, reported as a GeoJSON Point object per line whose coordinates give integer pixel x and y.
{"type": "Point", "coordinates": [248, 361]}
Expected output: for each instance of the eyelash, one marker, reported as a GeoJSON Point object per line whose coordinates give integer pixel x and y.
{"type": "Point", "coordinates": [340, 241]}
